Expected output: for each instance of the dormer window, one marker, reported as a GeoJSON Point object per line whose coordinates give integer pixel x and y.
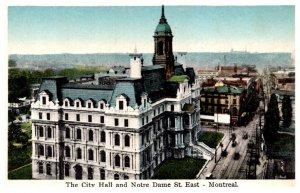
{"type": "Point", "coordinates": [77, 104]}
{"type": "Point", "coordinates": [89, 105]}
{"type": "Point", "coordinates": [121, 105]}
{"type": "Point", "coordinates": [44, 100]}
{"type": "Point", "coordinates": [66, 103]}
{"type": "Point", "coordinates": [121, 102]}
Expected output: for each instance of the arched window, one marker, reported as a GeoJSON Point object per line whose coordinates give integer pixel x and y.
{"type": "Point", "coordinates": [41, 168]}
{"type": "Point", "coordinates": [49, 151]}
{"type": "Point", "coordinates": [102, 136]}
{"type": "Point", "coordinates": [78, 153]}
{"type": "Point", "coordinates": [117, 160]}
{"type": "Point", "coordinates": [116, 177]}
{"type": "Point", "coordinates": [78, 133]}
{"type": "Point", "coordinates": [67, 170]}
{"type": "Point", "coordinates": [91, 135]}
{"type": "Point", "coordinates": [41, 150]}
{"type": "Point", "coordinates": [91, 154]}
{"type": "Point", "coordinates": [127, 161]}
{"type": "Point", "coordinates": [126, 177]}
{"type": "Point", "coordinates": [68, 133]}
{"type": "Point", "coordinates": [90, 173]}
{"type": "Point", "coordinates": [41, 131]}
{"type": "Point", "coordinates": [160, 48]}
{"type": "Point", "coordinates": [67, 151]}
{"type": "Point", "coordinates": [117, 139]}
{"type": "Point", "coordinates": [49, 132]}
{"type": "Point", "coordinates": [102, 174]}
{"type": "Point", "coordinates": [48, 168]}
{"type": "Point", "coordinates": [127, 141]}
{"type": "Point", "coordinates": [102, 156]}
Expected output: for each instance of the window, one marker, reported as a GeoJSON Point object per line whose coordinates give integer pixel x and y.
{"type": "Point", "coordinates": [163, 108]}
{"type": "Point", "coordinates": [116, 122]}
{"type": "Point", "coordinates": [126, 177]}
{"type": "Point", "coordinates": [91, 135]}
{"type": "Point", "coordinates": [127, 161]}
{"type": "Point", "coordinates": [89, 105]}
{"type": "Point", "coordinates": [101, 106]}
{"type": "Point", "coordinates": [143, 121]}
{"type": "Point", "coordinates": [77, 117]}
{"type": "Point", "coordinates": [66, 104]}
{"type": "Point", "coordinates": [90, 173]}
{"type": "Point", "coordinates": [90, 118]}
{"type": "Point", "coordinates": [117, 161]}
{"type": "Point", "coordinates": [145, 102]}
{"type": "Point", "coordinates": [234, 101]}
{"type": "Point", "coordinates": [102, 136]}
{"type": "Point", "coordinates": [67, 170]}
{"type": "Point", "coordinates": [41, 131]}
{"type": "Point", "coordinates": [67, 151]}
{"type": "Point", "coordinates": [127, 141]}
{"type": "Point", "coordinates": [48, 167]}
{"type": "Point", "coordinates": [158, 111]}
{"type": "Point", "coordinates": [102, 156]}
{"type": "Point", "coordinates": [77, 104]}
{"type": "Point", "coordinates": [49, 151]}
{"type": "Point", "coordinates": [78, 153]}
{"type": "Point", "coordinates": [66, 116]}
{"type": "Point", "coordinates": [40, 115]}
{"type": "Point", "coordinates": [49, 132]}
{"type": "Point", "coordinates": [101, 119]}
{"type": "Point", "coordinates": [160, 48]}
{"type": "Point", "coordinates": [154, 113]}
{"type": "Point", "coordinates": [48, 116]}
{"type": "Point", "coordinates": [68, 133]}
{"type": "Point", "coordinates": [44, 100]}
{"type": "Point", "coordinates": [102, 174]}
{"type": "Point", "coordinates": [116, 177]}
{"type": "Point", "coordinates": [121, 105]}
{"type": "Point", "coordinates": [172, 107]}
{"type": "Point", "coordinates": [41, 168]}
{"type": "Point", "coordinates": [91, 154]}
{"type": "Point", "coordinates": [117, 139]}
{"type": "Point", "coordinates": [147, 119]}
{"type": "Point", "coordinates": [41, 150]}
{"type": "Point", "coordinates": [78, 133]}
{"type": "Point", "coordinates": [125, 122]}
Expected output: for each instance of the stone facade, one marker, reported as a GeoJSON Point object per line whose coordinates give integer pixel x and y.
{"type": "Point", "coordinates": [120, 130]}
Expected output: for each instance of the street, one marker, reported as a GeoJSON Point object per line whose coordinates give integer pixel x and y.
{"type": "Point", "coordinates": [228, 167]}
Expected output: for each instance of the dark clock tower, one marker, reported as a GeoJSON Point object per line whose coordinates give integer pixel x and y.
{"type": "Point", "coordinates": [163, 51]}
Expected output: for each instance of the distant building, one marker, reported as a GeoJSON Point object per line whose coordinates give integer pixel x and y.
{"type": "Point", "coordinates": [284, 79]}
{"type": "Point", "coordinates": [122, 126]}
{"type": "Point", "coordinates": [222, 104]}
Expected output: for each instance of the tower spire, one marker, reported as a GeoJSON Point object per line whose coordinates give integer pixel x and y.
{"type": "Point", "coordinates": [162, 18]}
{"type": "Point", "coordinates": [162, 11]}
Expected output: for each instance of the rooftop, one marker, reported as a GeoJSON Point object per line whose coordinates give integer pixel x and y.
{"type": "Point", "coordinates": [178, 78]}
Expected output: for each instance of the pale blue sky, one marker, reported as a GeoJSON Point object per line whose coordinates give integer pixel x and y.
{"type": "Point", "coordinates": [46, 30]}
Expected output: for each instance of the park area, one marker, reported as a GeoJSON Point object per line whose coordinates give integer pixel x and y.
{"type": "Point", "coordinates": [19, 151]}
{"type": "Point", "coordinates": [186, 168]}
{"type": "Point", "coordinates": [211, 138]}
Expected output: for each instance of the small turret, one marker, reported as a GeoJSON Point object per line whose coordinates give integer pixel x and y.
{"type": "Point", "coordinates": [135, 64]}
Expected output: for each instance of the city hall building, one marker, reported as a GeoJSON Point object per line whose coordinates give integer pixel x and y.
{"type": "Point", "coordinates": [119, 126]}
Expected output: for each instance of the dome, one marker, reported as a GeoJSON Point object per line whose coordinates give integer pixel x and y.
{"type": "Point", "coordinates": [163, 27]}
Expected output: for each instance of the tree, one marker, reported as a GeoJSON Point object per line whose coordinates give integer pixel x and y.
{"type": "Point", "coordinates": [271, 120]}
{"type": "Point", "coordinates": [12, 63]}
{"type": "Point", "coordinates": [286, 110]}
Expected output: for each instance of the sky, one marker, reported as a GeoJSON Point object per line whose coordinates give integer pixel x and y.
{"type": "Point", "coordinates": [111, 29]}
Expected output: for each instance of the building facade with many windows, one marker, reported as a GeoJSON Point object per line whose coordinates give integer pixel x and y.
{"type": "Point", "coordinates": [120, 130]}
